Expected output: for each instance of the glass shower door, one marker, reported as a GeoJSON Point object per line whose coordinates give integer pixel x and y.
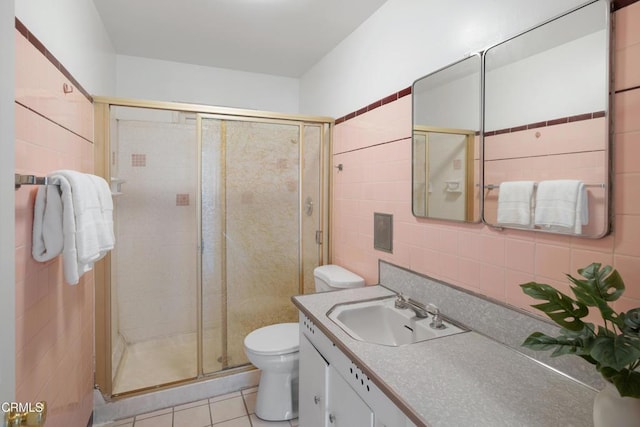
{"type": "Point", "coordinates": [252, 227]}
{"type": "Point", "coordinates": [154, 265]}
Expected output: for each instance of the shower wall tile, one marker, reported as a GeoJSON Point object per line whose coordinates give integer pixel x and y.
{"type": "Point", "coordinates": [488, 262]}
{"type": "Point", "coordinates": [182, 199]}
{"type": "Point", "coordinates": [54, 321]}
{"type": "Point", "coordinates": [138, 160]}
{"type": "Point", "coordinates": [155, 259]}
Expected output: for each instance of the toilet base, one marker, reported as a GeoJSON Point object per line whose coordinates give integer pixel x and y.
{"type": "Point", "coordinates": [277, 398]}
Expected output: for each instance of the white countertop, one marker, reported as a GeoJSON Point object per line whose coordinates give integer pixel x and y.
{"type": "Point", "coordinates": [459, 380]}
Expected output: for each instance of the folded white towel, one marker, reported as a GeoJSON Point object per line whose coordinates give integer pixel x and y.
{"type": "Point", "coordinates": [86, 220]}
{"type": "Point", "coordinates": [562, 205]}
{"type": "Point", "coordinates": [515, 203]}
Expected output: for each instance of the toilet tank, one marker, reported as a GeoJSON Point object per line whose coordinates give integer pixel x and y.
{"type": "Point", "coordinates": [333, 277]}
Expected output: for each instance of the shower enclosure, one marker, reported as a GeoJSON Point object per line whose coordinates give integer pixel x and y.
{"type": "Point", "coordinates": [219, 217]}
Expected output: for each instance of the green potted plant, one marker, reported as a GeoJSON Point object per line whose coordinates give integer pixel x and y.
{"type": "Point", "coordinates": [612, 346]}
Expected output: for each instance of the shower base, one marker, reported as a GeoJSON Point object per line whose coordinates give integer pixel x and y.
{"type": "Point", "coordinates": [166, 360]}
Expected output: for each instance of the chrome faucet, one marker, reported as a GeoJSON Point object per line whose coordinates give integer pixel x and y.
{"type": "Point", "coordinates": [421, 310]}
{"type": "Point", "coordinates": [417, 307]}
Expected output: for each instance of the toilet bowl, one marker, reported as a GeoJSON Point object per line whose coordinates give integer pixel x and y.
{"type": "Point", "coordinates": [274, 350]}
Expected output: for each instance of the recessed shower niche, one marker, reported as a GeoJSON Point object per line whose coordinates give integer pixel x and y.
{"type": "Point", "coordinates": [212, 236]}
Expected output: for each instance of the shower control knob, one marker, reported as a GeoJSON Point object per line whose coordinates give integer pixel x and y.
{"type": "Point", "coordinates": [316, 400]}
{"type": "Point", "coordinates": [332, 418]}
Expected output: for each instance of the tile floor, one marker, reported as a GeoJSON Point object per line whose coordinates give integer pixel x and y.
{"type": "Point", "coordinates": [229, 410]}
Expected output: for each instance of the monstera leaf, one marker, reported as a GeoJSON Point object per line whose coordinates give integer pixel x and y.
{"type": "Point", "coordinates": [562, 309]}
{"type": "Point", "coordinates": [616, 352]}
{"type": "Point", "coordinates": [567, 343]}
{"type": "Point", "coordinates": [599, 287]}
{"type": "Point", "coordinates": [632, 323]}
{"type": "Point", "coordinates": [627, 381]}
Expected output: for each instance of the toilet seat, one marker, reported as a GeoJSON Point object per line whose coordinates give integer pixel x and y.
{"type": "Point", "coordinates": [282, 338]}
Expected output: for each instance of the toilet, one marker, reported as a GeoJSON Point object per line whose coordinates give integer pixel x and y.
{"type": "Point", "coordinates": [274, 350]}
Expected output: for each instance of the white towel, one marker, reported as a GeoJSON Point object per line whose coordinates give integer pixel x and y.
{"type": "Point", "coordinates": [47, 224]}
{"type": "Point", "coordinates": [562, 205]}
{"type": "Point", "coordinates": [515, 203]}
{"type": "Point", "coordinates": [86, 221]}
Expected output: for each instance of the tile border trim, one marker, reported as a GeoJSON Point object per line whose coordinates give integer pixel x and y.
{"type": "Point", "coordinates": [379, 103]}
{"type": "Point", "coordinates": [619, 4]}
{"type": "Point", "coordinates": [22, 29]}
{"type": "Point", "coordinates": [558, 121]}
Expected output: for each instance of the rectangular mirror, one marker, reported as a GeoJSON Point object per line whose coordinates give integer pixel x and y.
{"type": "Point", "coordinates": [546, 126]}
{"type": "Point", "coordinates": [445, 148]}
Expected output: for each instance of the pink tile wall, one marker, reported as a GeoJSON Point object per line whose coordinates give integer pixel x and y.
{"type": "Point", "coordinates": [382, 124]}
{"type": "Point", "coordinates": [40, 86]}
{"type": "Point", "coordinates": [54, 321]}
{"type": "Point", "coordinates": [377, 178]}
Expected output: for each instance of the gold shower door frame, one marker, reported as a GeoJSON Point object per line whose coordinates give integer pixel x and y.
{"type": "Point", "coordinates": [102, 152]}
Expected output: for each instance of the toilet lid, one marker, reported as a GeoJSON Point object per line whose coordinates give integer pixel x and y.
{"type": "Point", "coordinates": [338, 277]}
{"type": "Point", "coordinates": [282, 338]}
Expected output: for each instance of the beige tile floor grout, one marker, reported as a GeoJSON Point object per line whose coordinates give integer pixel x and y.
{"type": "Point", "coordinates": [229, 410]}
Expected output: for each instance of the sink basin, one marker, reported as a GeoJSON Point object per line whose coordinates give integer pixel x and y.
{"type": "Point", "coordinates": [378, 321]}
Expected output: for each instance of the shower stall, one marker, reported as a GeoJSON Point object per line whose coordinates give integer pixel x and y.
{"type": "Point", "coordinates": [219, 217]}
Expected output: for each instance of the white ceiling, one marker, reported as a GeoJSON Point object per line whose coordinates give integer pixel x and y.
{"type": "Point", "coordinates": [280, 37]}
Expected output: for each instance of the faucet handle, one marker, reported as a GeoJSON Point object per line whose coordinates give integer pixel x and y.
{"type": "Point", "coordinates": [436, 322]}
{"type": "Point", "coordinates": [400, 301]}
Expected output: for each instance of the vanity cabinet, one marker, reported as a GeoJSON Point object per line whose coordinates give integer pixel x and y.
{"type": "Point", "coordinates": [346, 408]}
{"type": "Point", "coordinates": [334, 392]}
{"type": "Point", "coordinates": [314, 372]}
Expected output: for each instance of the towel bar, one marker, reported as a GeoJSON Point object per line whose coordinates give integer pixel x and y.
{"type": "Point", "coordinates": [494, 186]}
{"type": "Point", "coordinates": [43, 180]}
{"type": "Point", "coordinates": [30, 180]}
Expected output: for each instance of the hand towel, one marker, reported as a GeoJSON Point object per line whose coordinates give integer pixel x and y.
{"type": "Point", "coordinates": [87, 221]}
{"type": "Point", "coordinates": [562, 205]}
{"type": "Point", "coordinates": [515, 203]}
{"type": "Point", "coordinates": [47, 239]}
